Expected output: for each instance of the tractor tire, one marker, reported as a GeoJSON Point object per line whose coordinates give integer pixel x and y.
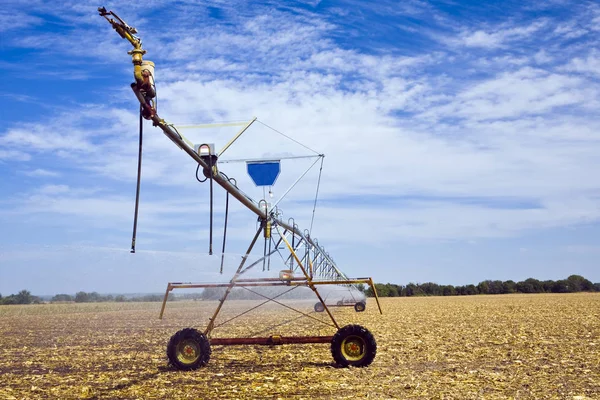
{"type": "Point", "coordinates": [360, 306]}
{"type": "Point", "coordinates": [353, 345]}
{"type": "Point", "coordinates": [188, 349]}
{"type": "Point", "coordinates": [319, 307]}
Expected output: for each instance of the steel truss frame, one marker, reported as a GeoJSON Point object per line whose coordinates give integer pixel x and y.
{"type": "Point", "coordinates": [304, 266]}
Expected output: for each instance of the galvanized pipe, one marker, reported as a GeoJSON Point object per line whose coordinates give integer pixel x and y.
{"type": "Point", "coordinates": [218, 177]}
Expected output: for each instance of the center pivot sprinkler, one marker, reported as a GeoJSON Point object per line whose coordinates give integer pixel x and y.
{"type": "Point", "coordinates": [306, 262]}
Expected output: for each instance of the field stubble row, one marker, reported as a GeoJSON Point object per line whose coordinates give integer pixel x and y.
{"type": "Point", "coordinates": [508, 346]}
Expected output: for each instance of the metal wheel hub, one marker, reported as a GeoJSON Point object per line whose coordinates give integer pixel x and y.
{"type": "Point", "coordinates": [188, 351]}
{"type": "Point", "coordinates": [353, 348]}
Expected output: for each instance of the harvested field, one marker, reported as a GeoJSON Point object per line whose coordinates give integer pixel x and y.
{"type": "Point", "coordinates": [507, 346]}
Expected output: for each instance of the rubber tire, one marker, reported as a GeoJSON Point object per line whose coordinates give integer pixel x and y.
{"type": "Point", "coordinates": [200, 340]}
{"type": "Point", "coordinates": [360, 306]}
{"type": "Point", "coordinates": [319, 307]}
{"type": "Point", "coordinates": [370, 346]}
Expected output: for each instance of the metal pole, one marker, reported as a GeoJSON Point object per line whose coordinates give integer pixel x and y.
{"type": "Point", "coordinates": [309, 281]}
{"type": "Point", "coordinates": [211, 324]}
{"type": "Point", "coordinates": [237, 136]}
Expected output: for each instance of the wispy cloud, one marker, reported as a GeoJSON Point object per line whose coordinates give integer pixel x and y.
{"type": "Point", "coordinates": [499, 37]}
{"type": "Point", "coordinates": [527, 91]}
{"type": "Point", "coordinates": [16, 20]}
{"type": "Point", "coordinates": [41, 173]}
{"type": "Point", "coordinates": [588, 65]}
{"type": "Point", "coordinates": [15, 155]}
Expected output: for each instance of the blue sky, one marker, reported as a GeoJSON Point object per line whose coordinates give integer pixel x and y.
{"type": "Point", "coordinates": [461, 138]}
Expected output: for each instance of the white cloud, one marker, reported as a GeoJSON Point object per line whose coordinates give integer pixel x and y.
{"type": "Point", "coordinates": [34, 137]}
{"type": "Point", "coordinates": [482, 39]}
{"type": "Point", "coordinates": [15, 155]}
{"type": "Point", "coordinates": [588, 65]}
{"type": "Point", "coordinates": [570, 30]}
{"type": "Point", "coordinates": [542, 57]}
{"type": "Point", "coordinates": [41, 173]}
{"type": "Point", "coordinates": [53, 189]}
{"type": "Point", "coordinates": [16, 20]}
{"type": "Point", "coordinates": [498, 38]}
{"type": "Point", "coordinates": [527, 91]}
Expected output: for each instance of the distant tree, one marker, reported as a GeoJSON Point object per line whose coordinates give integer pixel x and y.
{"type": "Point", "coordinates": [392, 290]}
{"type": "Point", "coordinates": [462, 290]}
{"type": "Point", "coordinates": [483, 287]}
{"type": "Point", "coordinates": [24, 297]}
{"type": "Point", "coordinates": [8, 300]}
{"type": "Point", "coordinates": [448, 290]}
{"type": "Point", "coordinates": [548, 285]}
{"type": "Point", "coordinates": [361, 287]}
{"type": "Point", "coordinates": [414, 290]}
{"type": "Point", "coordinates": [509, 286]}
{"type": "Point", "coordinates": [530, 285]}
{"type": "Point", "coordinates": [82, 297]}
{"type": "Point", "coordinates": [94, 297]}
{"type": "Point", "coordinates": [524, 287]}
{"type": "Point", "coordinates": [62, 297]}
{"type": "Point", "coordinates": [495, 287]}
{"type": "Point", "coordinates": [471, 290]}
{"type": "Point", "coordinates": [597, 287]}
{"type": "Point", "coordinates": [431, 289]}
{"type": "Point", "coordinates": [537, 285]}
{"type": "Point", "coordinates": [561, 286]}
{"type": "Point", "coordinates": [401, 290]}
{"type": "Point", "coordinates": [382, 290]}
{"type": "Point", "coordinates": [120, 298]}
{"type": "Point", "coordinates": [578, 283]}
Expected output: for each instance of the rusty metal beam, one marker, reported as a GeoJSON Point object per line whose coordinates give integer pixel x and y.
{"type": "Point", "coordinates": [266, 282]}
{"type": "Point", "coordinates": [270, 341]}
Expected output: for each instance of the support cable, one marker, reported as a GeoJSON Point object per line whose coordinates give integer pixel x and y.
{"type": "Point", "coordinates": [286, 136]}
{"type": "Point", "coordinates": [316, 196]}
{"type": "Point", "coordinates": [296, 182]}
{"type": "Point", "coordinates": [269, 328]}
{"type": "Point", "coordinates": [290, 308]}
{"type": "Point", "coordinates": [255, 307]}
{"type": "Point", "coordinates": [239, 160]}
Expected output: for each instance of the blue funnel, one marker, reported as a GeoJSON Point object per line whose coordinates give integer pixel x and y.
{"type": "Point", "coordinates": [263, 173]}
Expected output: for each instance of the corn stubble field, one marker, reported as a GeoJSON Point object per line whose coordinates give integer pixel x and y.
{"type": "Point", "coordinates": [510, 346]}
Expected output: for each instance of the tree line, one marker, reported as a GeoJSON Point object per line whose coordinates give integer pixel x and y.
{"type": "Point", "coordinates": [25, 297]}
{"type": "Point", "coordinates": [573, 284]}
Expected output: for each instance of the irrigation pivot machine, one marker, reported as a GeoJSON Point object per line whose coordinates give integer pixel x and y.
{"type": "Point", "coordinates": [308, 265]}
